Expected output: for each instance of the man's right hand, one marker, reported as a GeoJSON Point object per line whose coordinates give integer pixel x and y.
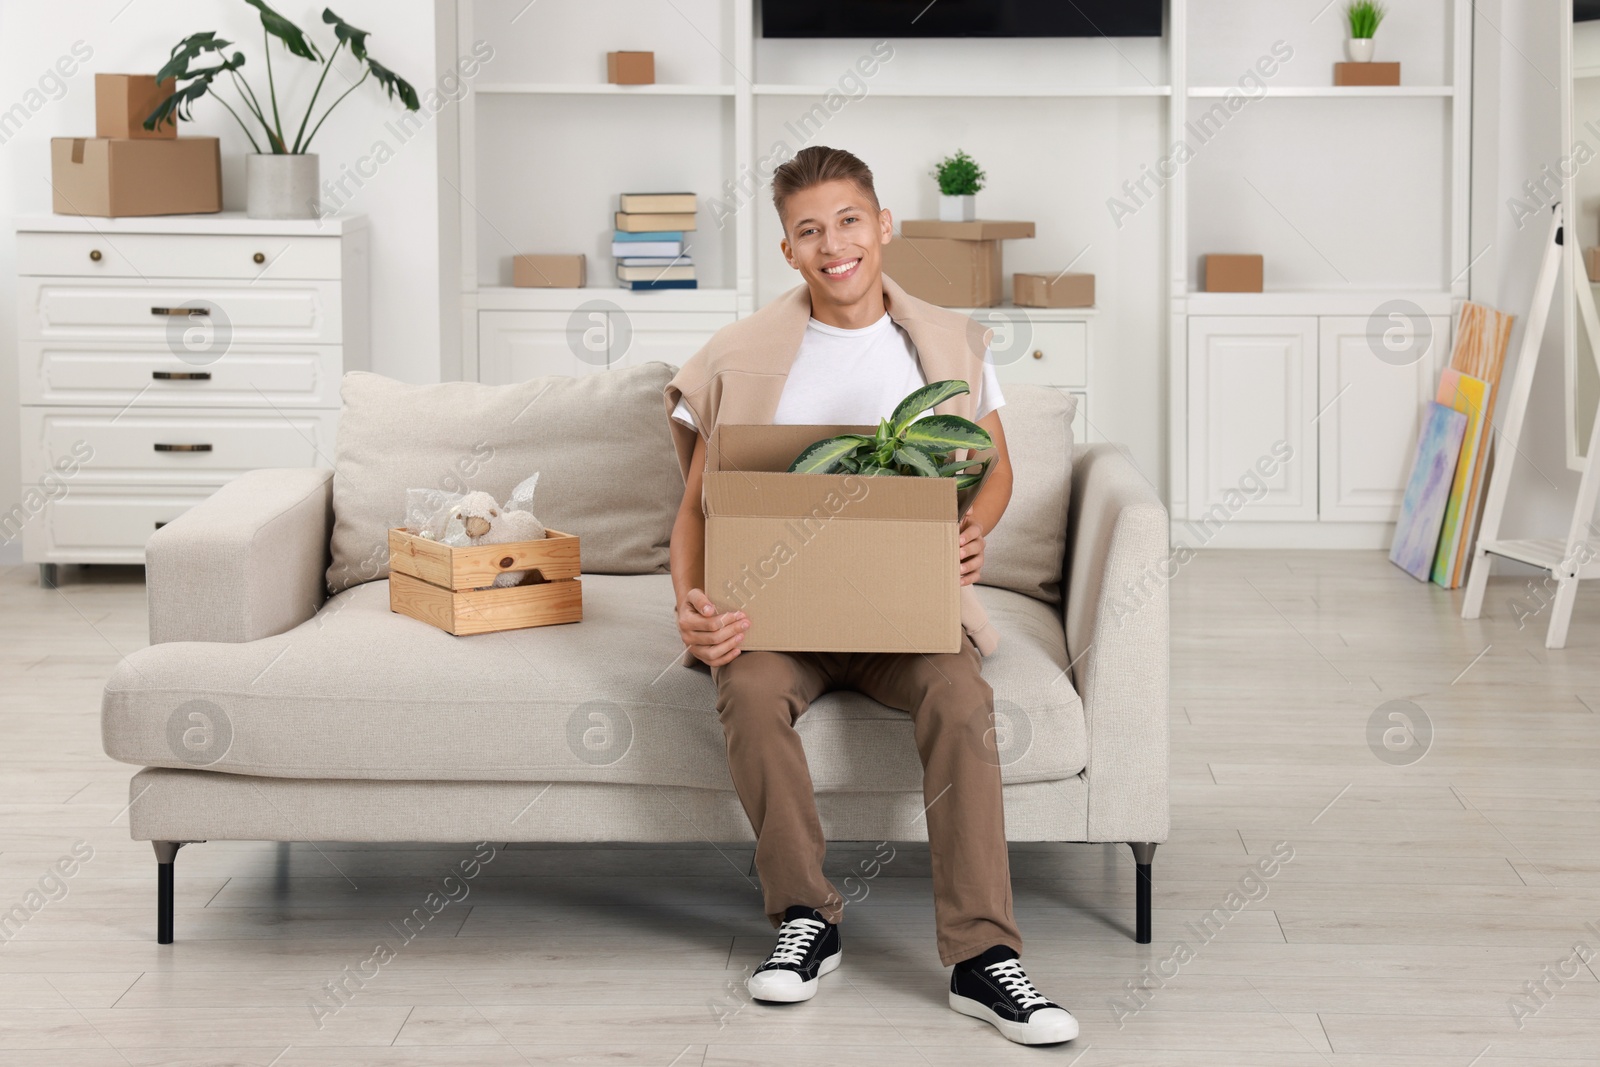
{"type": "Point", "coordinates": [713, 638]}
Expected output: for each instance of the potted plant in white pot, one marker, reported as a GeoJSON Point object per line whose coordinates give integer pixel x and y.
{"type": "Point", "coordinates": [959, 178]}
{"type": "Point", "coordinates": [1364, 17]}
{"type": "Point", "coordinates": [280, 182]}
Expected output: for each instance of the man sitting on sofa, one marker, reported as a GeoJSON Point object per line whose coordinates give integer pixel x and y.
{"type": "Point", "coordinates": [845, 348]}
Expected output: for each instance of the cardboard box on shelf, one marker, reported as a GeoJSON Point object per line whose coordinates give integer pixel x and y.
{"type": "Point", "coordinates": [1366, 74]}
{"type": "Point", "coordinates": [631, 68]}
{"type": "Point", "coordinates": [123, 101]}
{"type": "Point", "coordinates": [946, 271]}
{"type": "Point", "coordinates": [1052, 290]}
{"type": "Point", "coordinates": [112, 177]}
{"type": "Point", "coordinates": [548, 271]}
{"type": "Point", "coordinates": [829, 562]}
{"type": "Point", "coordinates": [976, 230]}
{"type": "Point", "coordinates": [1233, 274]}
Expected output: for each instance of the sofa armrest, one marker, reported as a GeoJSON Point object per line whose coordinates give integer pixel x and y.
{"type": "Point", "coordinates": [247, 562]}
{"type": "Point", "coordinates": [1118, 640]}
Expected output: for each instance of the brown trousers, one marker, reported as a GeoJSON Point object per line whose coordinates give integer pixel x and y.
{"type": "Point", "coordinates": [760, 697]}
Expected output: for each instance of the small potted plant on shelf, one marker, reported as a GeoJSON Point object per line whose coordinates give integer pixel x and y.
{"type": "Point", "coordinates": [959, 178]}
{"type": "Point", "coordinates": [281, 180]}
{"type": "Point", "coordinates": [1364, 17]}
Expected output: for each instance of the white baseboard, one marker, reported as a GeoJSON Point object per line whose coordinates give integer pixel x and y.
{"type": "Point", "coordinates": [1240, 533]}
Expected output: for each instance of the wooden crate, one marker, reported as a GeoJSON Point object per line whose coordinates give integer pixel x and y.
{"type": "Point", "coordinates": [442, 585]}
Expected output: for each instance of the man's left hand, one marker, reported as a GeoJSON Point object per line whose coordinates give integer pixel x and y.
{"type": "Point", "coordinates": [970, 551]}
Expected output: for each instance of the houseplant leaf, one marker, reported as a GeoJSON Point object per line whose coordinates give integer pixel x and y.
{"type": "Point", "coordinates": [292, 36]}
{"type": "Point", "coordinates": [187, 51]}
{"type": "Point", "coordinates": [945, 433]}
{"type": "Point", "coordinates": [917, 460]}
{"type": "Point", "coordinates": [967, 481]}
{"type": "Point", "coordinates": [921, 400]}
{"type": "Point", "coordinates": [356, 39]}
{"type": "Point", "coordinates": [394, 85]}
{"type": "Point", "coordinates": [956, 466]}
{"type": "Point", "coordinates": [823, 457]}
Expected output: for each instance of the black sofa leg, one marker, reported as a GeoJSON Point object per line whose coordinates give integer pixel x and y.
{"type": "Point", "coordinates": [166, 852]}
{"type": "Point", "coordinates": [1144, 854]}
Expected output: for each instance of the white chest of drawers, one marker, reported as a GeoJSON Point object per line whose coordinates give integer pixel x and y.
{"type": "Point", "coordinates": [160, 358]}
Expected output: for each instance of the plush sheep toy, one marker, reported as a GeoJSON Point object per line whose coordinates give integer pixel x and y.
{"type": "Point", "coordinates": [487, 523]}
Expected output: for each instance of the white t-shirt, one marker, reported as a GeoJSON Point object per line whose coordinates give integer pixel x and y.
{"type": "Point", "coordinates": [856, 377]}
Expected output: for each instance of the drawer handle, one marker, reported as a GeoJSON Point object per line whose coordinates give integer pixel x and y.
{"type": "Point", "coordinates": [1038, 353]}
{"type": "Point", "coordinates": [259, 257]}
{"type": "Point", "coordinates": [181, 375]}
{"type": "Point", "coordinates": [182, 448]}
{"type": "Point", "coordinates": [193, 313]}
{"type": "Point", "coordinates": [94, 255]}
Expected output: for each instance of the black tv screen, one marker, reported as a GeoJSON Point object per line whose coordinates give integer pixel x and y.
{"type": "Point", "coordinates": [961, 18]}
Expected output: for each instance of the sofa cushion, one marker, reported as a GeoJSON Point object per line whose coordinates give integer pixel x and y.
{"type": "Point", "coordinates": [607, 468]}
{"type": "Point", "coordinates": [1026, 550]}
{"type": "Point", "coordinates": [361, 692]}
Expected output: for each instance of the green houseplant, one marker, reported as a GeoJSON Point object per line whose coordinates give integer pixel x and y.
{"type": "Point", "coordinates": [1364, 17]}
{"type": "Point", "coordinates": [905, 444]}
{"type": "Point", "coordinates": [959, 178]}
{"type": "Point", "coordinates": [282, 179]}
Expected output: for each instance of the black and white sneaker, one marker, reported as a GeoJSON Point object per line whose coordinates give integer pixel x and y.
{"type": "Point", "coordinates": [808, 948]}
{"type": "Point", "coordinates": [994, 987]}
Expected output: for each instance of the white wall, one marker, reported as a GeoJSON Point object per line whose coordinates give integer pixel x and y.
{"type": "Point", "coordinates": [1516, 130]}
{"type": "Point", "coordinates": [403, 197]}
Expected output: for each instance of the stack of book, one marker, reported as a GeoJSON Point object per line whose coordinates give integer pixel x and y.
{"type": "Point", "coordinates": [649, 241]}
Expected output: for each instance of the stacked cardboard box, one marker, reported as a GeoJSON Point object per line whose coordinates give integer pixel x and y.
{"type": "Point", "coordinates": [952, 264]}
{"type": "Point", "coordinates": [649, 241]}
{"type": "Point", "coordinates": [126, 169]}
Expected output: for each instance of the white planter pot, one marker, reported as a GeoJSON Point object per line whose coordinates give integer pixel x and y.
{"type": "Point", "coordinates": [1359, 49]}
{"type": "Point", "coordinates": [957, 208]}
{"type": "Point", "coordinates": [281, 186]}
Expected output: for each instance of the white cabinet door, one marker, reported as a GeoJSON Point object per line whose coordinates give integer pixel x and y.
{"type": "Point", "coordinates": [1051, 353]}
{"type": "Point", "coordinates": [514, 346]}
{"type": "Point", "coordinates": [1372, 400]}
{"type": "Point", "coordinates": [661, 336]}
{"type": "Point", "coordinates": [1252, 399]}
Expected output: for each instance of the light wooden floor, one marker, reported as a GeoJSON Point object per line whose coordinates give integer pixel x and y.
{"type": "Point", "coordinates": [1419, 901]}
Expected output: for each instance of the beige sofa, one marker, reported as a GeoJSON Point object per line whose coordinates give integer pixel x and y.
{"type": "Point", "coordinates": [281, 700]}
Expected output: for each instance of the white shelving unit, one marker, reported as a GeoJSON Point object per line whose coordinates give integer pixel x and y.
{"type": "Point", "coordinates": [1358, 198]}
{"type": "Point", "coordinates": [722, 98]}
{"type": "Point", "coordinates": [1357, 195]}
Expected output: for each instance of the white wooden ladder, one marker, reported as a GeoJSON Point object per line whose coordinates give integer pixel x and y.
{"type": "Point", "coordinates": [1578, 557]}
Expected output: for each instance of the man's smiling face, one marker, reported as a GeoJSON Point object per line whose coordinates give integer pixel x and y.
{"type": "Point", "coordinates": [834, 236]}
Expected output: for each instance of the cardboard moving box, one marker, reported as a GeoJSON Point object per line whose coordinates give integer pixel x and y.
{"type": "Point", "coordinates": [123, 101]}
{"type": "Point", "coordinates": [1052, 290]}
{"type": "Point", "coordinates": [548, 271]}
{"type": "Point", "coordinates": [114, 177]}
{"type": "Point", "coordinates": [829, 562]}
{"type": "Point", "coordinates": [950, 272]}
{"type": "Point", "coordinates": [631, 68]}
{"type": "Point", "coordinates": [1366, 74]}
{"type": "Point", "coordinates": [976, 230]}
{"type": "Point", "coordinates": [1233, 274]}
